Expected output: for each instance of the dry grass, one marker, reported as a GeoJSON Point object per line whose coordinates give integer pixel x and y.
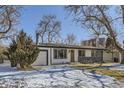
{"type": "Point", "coordinates": [93, 64]}
{"type": "Point", "coordinates": [113, 73]}
{"type": "Point", "coordinates": [101, 70]}
{"type": "Point", "coordinates": [90, 66]}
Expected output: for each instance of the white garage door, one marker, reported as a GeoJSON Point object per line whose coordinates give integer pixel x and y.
{"type": "Point", "coordinates": [41, 59]}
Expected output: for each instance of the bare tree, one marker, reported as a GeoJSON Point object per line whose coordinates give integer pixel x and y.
{"type": "Point", "coordinates": [98, 18]}
{"type": "Point", "coordinates": [48, 29]}
{"type": "Point", "coordinates": [8, 19]}
{"type": "Point", "coordinates": [122, 9]}
{"type": "Point", "coordinates": [70, 39]}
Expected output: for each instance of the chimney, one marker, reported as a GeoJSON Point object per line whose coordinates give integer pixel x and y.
{"type": "Point", "coordinates": [97, 41]}
{"type": "Point", "coordinates": [37, 37]}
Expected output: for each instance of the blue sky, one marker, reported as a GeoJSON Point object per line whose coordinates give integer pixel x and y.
{"type": "Point", "coordinates": [31, 15]}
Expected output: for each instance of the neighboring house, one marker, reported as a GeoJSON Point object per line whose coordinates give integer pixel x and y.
{"type": "Point", "coordinates": [61, 54]}
{"type": "Point", "coordinates": [100, 42]}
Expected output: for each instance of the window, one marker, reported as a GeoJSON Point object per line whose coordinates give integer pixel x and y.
{"type": "Point", "coordinates": [60, 53]}
{"type": "Point", "coordinates": [93, 53]}
{"type": "Point", "coordinates": [99, 53]}
{"type": "Point", "coordinates": [96, 53]}
{"type": "Point", "coordinates": [55, 53]}
{"type": "Point", "coordinates": [81, 53]}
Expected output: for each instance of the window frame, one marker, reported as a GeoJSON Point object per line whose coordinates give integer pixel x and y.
{"type": "Point", "coordinates": [60, 53]}
{"type": "Point", "coordinates": [96, 53]}
{"type": "Point", "coordinates": [82, 54]}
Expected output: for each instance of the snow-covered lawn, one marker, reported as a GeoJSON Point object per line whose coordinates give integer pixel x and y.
{"type": "Point", "coordinates": [59, 76]}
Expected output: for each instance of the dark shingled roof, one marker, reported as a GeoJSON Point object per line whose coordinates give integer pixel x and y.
{"type": "Point", "coordinates": [69, 46]}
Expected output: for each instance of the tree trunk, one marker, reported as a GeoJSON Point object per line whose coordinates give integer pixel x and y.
{"type": "Point", "coordinates": [18, 66]}
{"type": "Point", "coordinates": [13, 64]}
{"type": "Point", "coordinates": [22, 66]}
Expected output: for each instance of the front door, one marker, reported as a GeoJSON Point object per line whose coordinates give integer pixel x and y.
{"type": "Point", "coordinates": [72, 56]}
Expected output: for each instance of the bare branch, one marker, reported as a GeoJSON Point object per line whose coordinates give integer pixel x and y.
{"type": "Point", "coordinates": [8, 18]}
{"type": "Point", "coordinates": [96, 17]}
{"type": "Point", "coordinates": [48, 28]}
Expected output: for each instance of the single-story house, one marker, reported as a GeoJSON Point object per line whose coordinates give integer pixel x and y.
{"type": "Point", "coordinates": [60, 54]}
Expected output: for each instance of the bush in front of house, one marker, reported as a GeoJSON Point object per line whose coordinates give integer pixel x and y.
{"type": "Point", "coordinates": [22, 52]}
